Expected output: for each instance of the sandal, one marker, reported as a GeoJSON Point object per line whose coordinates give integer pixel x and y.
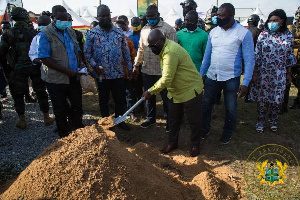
{"type": "Point", "coordinates": [274, 128]}
{"type": "Point", "coordinates": [260, 129]}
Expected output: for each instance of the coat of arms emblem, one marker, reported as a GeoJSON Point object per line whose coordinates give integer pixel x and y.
{"type": "Point", "coordinates": [271, 173]}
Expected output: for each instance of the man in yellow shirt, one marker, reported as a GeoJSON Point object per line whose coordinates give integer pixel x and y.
{"type": "Point", "coordinates": [184, 84]}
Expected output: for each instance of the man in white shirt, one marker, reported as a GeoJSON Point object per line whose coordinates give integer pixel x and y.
{"type": "Point", "coordinates": [228, 44]}
{"type": "Point", "coordinates": [43, 21]}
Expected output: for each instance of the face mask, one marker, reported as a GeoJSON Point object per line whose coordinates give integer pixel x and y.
{"type": "Point", "coordinates": [155, 50]}
{"type": "Point", "coordinates": [214, 20]}
{"type": "Point", "coordinates": [223, 22]}
{"type": "Point", "coordinates": [105, 23]}
{"type": "Point", "coordinates": [137, 28]}
{"type": "Point", "coordinates": [191, 27]}
{"type": "Point", "coordinates": [152, 22]}
{"type": "Point", "coordinates": [41, 28]}
{"type": "Point", "coordinates": [70, 24]}
{"type": "Point", "coordinates": [273, 26]}
{"type": "Point", "coordinates": [62, 25]}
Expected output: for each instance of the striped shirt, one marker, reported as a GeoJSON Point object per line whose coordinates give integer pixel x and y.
{"type": "Point", "coordinates": [150, 61]}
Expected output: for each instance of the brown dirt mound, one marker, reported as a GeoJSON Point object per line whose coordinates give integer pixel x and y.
{"type": "Point", "coordinates": [92, 164]}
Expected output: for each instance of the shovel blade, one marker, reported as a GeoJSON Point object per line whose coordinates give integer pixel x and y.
{"type": "Point", "coordinates": [120, 119]}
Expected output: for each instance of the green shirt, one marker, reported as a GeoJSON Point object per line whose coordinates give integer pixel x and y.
{"type": "Point", "coordinates": [179, 74]}
{"type": "Point", "coordinates": [194, 43]}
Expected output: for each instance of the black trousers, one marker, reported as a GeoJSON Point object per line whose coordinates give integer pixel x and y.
{"type": "Point", "coordinates": [18, 85]}
{"type": "Point", "coordinates": [68, 115]}
{"type": "Point", "coordinates": [192, 109]}
{"type": "Point", "coordinates": [117, 88]}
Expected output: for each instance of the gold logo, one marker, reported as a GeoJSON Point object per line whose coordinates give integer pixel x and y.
{"type": "Point", "coordinates": [272, 172]}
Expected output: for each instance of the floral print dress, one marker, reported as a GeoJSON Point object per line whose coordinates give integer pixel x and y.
{"type": "Point", "coordinates": [273, 54]}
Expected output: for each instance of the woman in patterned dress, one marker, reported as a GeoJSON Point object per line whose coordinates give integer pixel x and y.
{"type": "Point", "coordinates": [273, 60]}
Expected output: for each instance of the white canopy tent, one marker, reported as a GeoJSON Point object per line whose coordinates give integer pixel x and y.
{"type": "Point", "coordinates": [88, 16]}
{"type": "Point", "coordinates": [171, 17]}
{"type": "Point", "coordinates": [78, 22]}
{"type": "Point", "coordinates": [257, 12]}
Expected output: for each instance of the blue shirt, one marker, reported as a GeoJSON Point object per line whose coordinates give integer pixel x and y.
{"type": "Point", "coordinates": [107, 49]}
{"type": "Point", "coordinates": [225, 51]}
{"type": "Point", "coordinates": [136, 39]}
{"type": "Point", "coordinates": [44, 49]}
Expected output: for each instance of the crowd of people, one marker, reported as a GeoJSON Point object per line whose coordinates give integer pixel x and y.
{"type": "Point", "coordinates": [189, 65]}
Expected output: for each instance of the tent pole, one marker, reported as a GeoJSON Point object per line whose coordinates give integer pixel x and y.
{"type": "Point", "coordinates": [100, 2]}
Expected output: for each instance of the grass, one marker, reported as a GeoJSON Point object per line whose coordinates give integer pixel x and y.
{"type": "Point", "coordinates": [244, 140]}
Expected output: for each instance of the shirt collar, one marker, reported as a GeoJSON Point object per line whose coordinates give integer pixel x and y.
{"type": "Point", "coordinates": [160, 24]}
{"type": "Point", "coordinates": [196, 30]}
{"type": "Point", "coordinates": [163, 49]}
{"type": "Point", "coordinates": [113, 28]}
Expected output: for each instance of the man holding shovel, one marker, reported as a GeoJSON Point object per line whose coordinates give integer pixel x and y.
{"type": "Point", "coordinates": [184, 84]}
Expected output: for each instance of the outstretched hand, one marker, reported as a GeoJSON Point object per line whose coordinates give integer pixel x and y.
{"type": "Point", "coordinates": [147, 95]}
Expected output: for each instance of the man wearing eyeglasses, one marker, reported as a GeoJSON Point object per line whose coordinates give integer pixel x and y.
{"type": "Point", "coordinates": [185, 86]}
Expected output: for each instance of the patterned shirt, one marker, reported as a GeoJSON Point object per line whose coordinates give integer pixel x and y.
{"type": "Point", "coordinates": [225, 51]}
{"type": "Point", "coordinates": [150, 61]}
{"type": "Point", "coordinates": [273, 54]}
{"type": "Point", "coordinates": [107, 49]}
{"type": "Point", "coordinates": [44, 48]}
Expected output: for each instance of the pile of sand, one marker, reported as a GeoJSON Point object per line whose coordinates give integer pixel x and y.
{"type": "Point", "coordinates": [92, 164]}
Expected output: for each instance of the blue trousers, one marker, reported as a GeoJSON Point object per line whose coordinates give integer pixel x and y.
{"type": "Point", "coordinates": [230, 89]}
{"type": "Point", "coordinates": [149, 81]}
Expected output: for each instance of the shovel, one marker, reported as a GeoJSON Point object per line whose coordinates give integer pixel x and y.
{"type": "Point", "coordinates": [125, 116]}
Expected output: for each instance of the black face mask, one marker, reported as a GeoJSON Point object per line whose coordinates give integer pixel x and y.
{"type": "Point", "coordinates": [155, 50]}
{"type": "Point", "coordinates": [223, 22]}
{"type": "Point", "coordinates": [191, 27]}
{"type": "Point", "coordinates": [105, 23]}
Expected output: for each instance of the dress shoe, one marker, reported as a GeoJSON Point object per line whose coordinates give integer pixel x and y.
{"type": "Point", "coordinates": [168, 148]}
{"type": "Point", "coordinates": [195, 151]}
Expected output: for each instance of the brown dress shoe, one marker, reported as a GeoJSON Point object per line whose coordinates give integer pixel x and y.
{"type": "Point", "coordinates": [195, 151]}
{"type": "Point", "coordinates": [168, 148]}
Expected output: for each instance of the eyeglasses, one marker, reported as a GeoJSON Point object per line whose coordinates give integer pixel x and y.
{"type": "Point", "coordinates": [153, 46]}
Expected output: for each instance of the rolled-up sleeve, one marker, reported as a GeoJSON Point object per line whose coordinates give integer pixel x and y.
{"type": "Point", "coordinates": [140, 54]}
{"type": "Point", "coordinates": [33, 51]}
{"type": "Point", "coordinates": [207, 57]}
{"type": "Point", "coordinates": [89, 49]}
{"type": "Point", "coordinates": [248, 56]}
{"type": "Point", "coordinates": [291, 58]}
{"type": "Point", "coordinates": [44, 47]}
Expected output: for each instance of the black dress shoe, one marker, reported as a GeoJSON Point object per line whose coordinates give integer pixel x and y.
{"type": "Point", "coordinates": [168, 148]}
{"type": "Point", "coordinates": [195, 151]}
{"type": "Point", "coordinates": [124, 126]}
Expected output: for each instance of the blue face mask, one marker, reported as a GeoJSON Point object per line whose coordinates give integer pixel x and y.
{"type": "Point", "coordinates": [62, 25]}
{"type": "Point", "coordinates": [273, 26]}
{"type": "Point", "coordinates": [70, 25]}
{"type": "Point", "coordinates": [152, 22]}
{"type": "Point", "coordinates": [41, 28]}
{"type": "Point", "coordinates": [214, 20]}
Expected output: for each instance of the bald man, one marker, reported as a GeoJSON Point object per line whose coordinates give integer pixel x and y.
{"type": "Point", "coordinates": [184, 84]}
